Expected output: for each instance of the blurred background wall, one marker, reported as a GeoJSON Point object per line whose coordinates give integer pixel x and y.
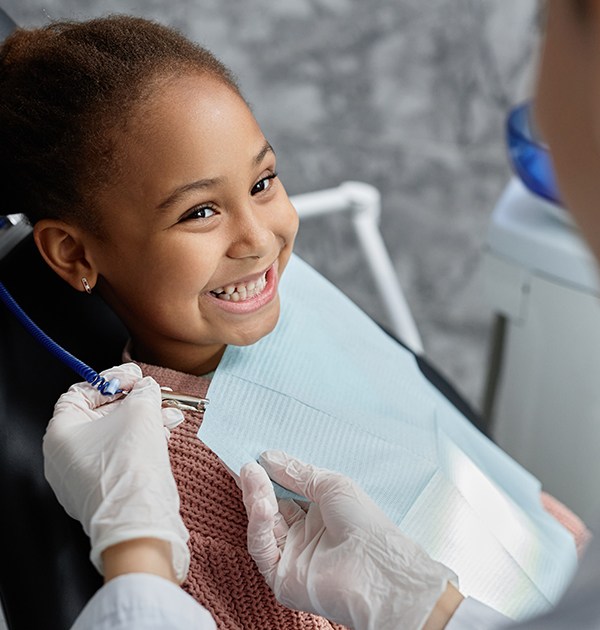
{"type": "Point", "coordinates": [404, 94]}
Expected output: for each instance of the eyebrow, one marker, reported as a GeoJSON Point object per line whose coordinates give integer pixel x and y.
{"type": "Point", "coordinates": [202, 184]}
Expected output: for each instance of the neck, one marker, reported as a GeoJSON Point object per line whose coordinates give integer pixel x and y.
{"type": "Point", "coordinates": [196, 361]}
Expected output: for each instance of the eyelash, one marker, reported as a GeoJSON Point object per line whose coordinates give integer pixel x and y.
{"type": "Point", "coordinates": [192, 214]}
{"type": "Point", "coordinates": [207, 206]}
{"type": "Point", "coordinates": [269, 178]}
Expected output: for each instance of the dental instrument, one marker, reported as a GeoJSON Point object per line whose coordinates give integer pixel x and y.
{"type": "Point", "coordinates": [183, 402]}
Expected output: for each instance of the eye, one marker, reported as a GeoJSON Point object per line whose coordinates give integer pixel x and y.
{"type": "Point", "coordinates": [200, 212]}
{"type": "Point", "coordinates": [264, 184]}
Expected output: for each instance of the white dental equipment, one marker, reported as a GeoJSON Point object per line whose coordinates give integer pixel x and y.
{"type": "Point", "coordinates": [543, 399]}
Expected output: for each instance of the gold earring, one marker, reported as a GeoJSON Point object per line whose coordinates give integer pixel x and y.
{"type": "Point", "coordinates": [86, 285]}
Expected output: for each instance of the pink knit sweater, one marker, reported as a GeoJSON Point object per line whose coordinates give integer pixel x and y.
{"type": "Point", "coordinates": [222, 576]}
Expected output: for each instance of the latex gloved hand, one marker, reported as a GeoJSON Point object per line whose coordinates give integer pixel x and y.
{"type": "Point", "coordinates": [107, 461]}
{"type": "Point", "coordinates": [343, 558]}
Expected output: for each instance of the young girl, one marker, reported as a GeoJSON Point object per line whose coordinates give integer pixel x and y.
{"type": "Point", "coordinates": [149, 182]}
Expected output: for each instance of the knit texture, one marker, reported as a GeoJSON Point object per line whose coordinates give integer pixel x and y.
{"type": "Point", "coordinates": [222, 576]}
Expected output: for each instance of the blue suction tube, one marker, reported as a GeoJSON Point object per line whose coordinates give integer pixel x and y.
{"type": "Point", "coordinates": [108, 388]}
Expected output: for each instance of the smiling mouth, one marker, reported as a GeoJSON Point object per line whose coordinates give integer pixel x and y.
{"type": "Point", "coordinates": [242, 291]}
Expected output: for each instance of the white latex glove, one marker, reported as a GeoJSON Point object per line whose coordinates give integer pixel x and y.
{"type": "Point", "coordinates": [107, 461]}
{"type": "Point", "coordinates": [343, 558]}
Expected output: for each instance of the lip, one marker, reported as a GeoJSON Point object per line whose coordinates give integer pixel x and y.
{"type": "Point", "coordinates": [255, 303]}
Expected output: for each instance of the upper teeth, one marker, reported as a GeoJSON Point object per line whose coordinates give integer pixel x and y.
{"type": "Point", "coordinates": [238, 292]}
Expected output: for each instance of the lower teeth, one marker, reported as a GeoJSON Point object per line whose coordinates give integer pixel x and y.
{"type": "Point", "coordinates": [237, 296]}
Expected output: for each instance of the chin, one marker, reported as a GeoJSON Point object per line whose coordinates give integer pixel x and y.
{"type": "Point", "coordinates": [251, 336]}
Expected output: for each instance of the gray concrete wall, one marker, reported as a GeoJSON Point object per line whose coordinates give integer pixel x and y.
{"type": "Point", "coordinates": [409, 95]}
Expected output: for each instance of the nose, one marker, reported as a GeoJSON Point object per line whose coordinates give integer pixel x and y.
{"type": "Point", "coordinates": [251, 233]}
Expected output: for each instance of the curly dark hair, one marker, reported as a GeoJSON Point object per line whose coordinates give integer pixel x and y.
{"type": "Point", "coordinates": [64, 89]}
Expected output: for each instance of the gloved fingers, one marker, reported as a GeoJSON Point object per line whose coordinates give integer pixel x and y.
{"type": "Point", "coordinates": [142, 404]}
{"type": "Point", "coordinates": [85, 397]}
{"type": "Point", "coordinates": [263, 544]}
{"type": "Point", "coordinates": [265, 526]}
{"type": "Point", "coordinates": [140, 413]}
{"type": "Point", "coordinates": [256, 485]}
{"type": "Point", "coordinates": [171, 417]}
{"type": "Point", "coordinates": [304, 479]}
{"type": "Point", "coordinates": [291, 511]}
{"type": "Point", "coordinates": [280, 530]}
{"type": "Point", "coordinates": [127, 373]}
{"type": "Point", "coordinates": [144, 392]}
{"type": "Point", "coordinates": [80, 406]}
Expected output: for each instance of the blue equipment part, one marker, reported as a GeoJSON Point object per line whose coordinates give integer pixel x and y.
{"type": "Point", "coordinates": [529, 157]}
{"type": "Point", "coordinates": [108, 388]}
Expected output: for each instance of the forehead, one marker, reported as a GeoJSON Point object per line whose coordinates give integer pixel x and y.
{"type": "Point", "coordinates": [186, 128]}
{"type": "Point", "coordinates": [184, 109]}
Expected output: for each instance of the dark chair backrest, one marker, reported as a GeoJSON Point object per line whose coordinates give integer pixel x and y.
{"type": "Point", "coordinates": [45, 573]}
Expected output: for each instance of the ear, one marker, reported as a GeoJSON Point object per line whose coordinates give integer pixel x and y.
{"type": "Point", "coordinates": [67, 251]}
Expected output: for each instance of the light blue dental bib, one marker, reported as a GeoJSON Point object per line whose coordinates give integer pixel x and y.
{"type": "Point", "coordinates": [328, 386]}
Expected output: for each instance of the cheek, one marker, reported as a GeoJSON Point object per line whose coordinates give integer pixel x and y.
{"type": "Point", "coordinates": [159, 276]}
{"type": "Point", "coordinates": [292, 229]}
{"type": "Point", "coordinates": [287, 222]}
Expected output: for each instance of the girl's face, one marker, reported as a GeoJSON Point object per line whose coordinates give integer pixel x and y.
{"type": "Point", "coordinates": [198, 229]}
